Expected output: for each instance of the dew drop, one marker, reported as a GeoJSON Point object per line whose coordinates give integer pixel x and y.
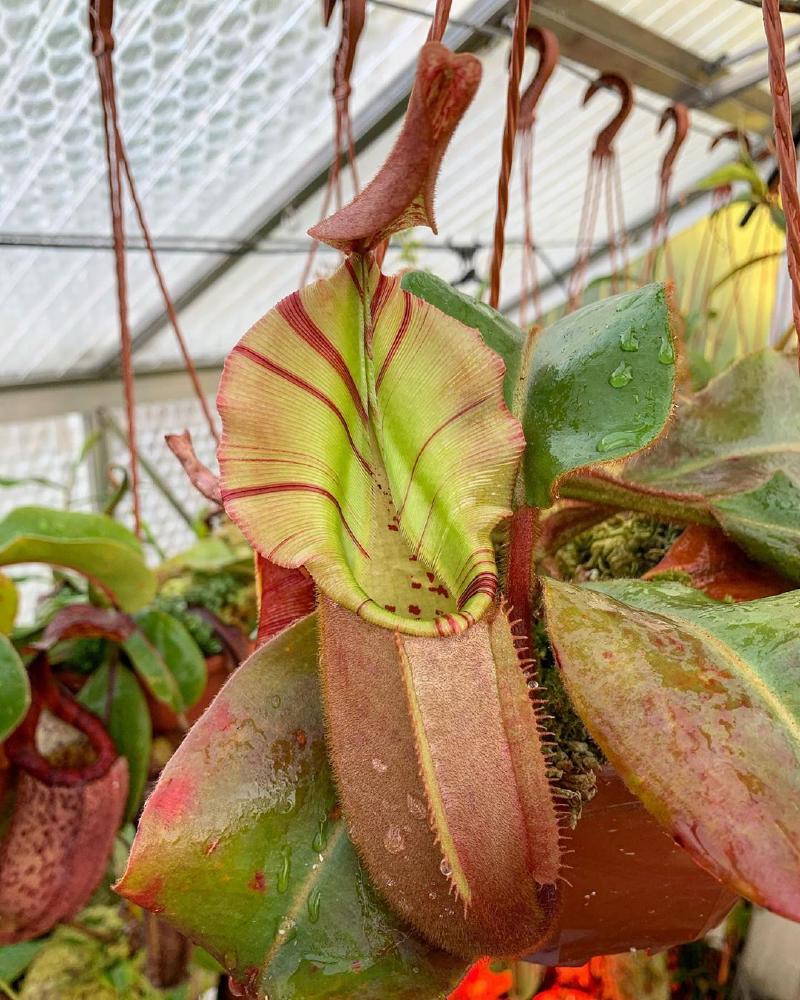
{"type": "Point", "coordinates": [394, 841]}
{"type": "Point", "coordinates": [276, 701]}
{"type": "Point", "coordinates": [445, 868]}
{"type": "Point", "coordinates": [285, 869]}
{"type": "Point", "coordinates": [313, 906]}
{"type": "Point", "coordinates": [619, 439]}
{"type": "Point", "coordinates": [666, 352]}
{"type": "Point", "coordinates": [629, 340]}
{"type": "Point", "coordinates": [320, 841]}
{"type": "Point", "coordinates": [415, 807]}
{"type": "Point", "coordinates": [621, 375]}
{"type": "Point", "coordinates": [379, 766]}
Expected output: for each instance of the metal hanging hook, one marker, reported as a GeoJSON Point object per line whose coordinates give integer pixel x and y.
{"type": "Point", "coordinates": [604, 144]}
{"type": "Point", "coordinates": [678, 114]}
{"type": "Point", "coordinates": [546, 44]}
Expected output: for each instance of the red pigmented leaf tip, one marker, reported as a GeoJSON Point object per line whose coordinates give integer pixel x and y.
{"type": "Point", "coordinates": [401, 195]}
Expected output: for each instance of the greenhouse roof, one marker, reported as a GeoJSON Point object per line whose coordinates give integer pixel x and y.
{"type": "Point", "coordinates": [226, 111]}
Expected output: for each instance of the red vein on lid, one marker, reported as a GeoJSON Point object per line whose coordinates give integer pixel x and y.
{"type": "Point", "coordinates": [242, 492]}
{"type": "Point", "coordinates": [405, 322]}
{"type": "Point", "coordinates": [483, 583]}
{"type": "Point", "coordinates": [300, 383]}
{"type": "Point", "coordinates": [446, 423]}
{"type": "Point", "coordinates": [294, 313]}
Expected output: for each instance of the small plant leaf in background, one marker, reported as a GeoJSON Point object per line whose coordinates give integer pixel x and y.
{"type": "Point", "coordinates": [149, 664]}
{"type": "Point", "coordinates": [104, 551]}
{"type": "Point", "coordinates": [128, 724]}
{"type": "Point", "coordinates": [8, 604]}
{"type": "Point", "coordinates": [15, 692]}
{"type": "Point", "coordinates": [179, 652]}
{"type": "Point", "coordinates": [595, 386]}
{"type": "Point", "coordinates": [322, 467]}
{"type": "Point", "coordinates": [243, 848]}
{"type": "Point", "coordinates": [696, 703]}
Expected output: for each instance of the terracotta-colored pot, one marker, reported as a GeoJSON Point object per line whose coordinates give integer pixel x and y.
{"type": "Point", "coordinates": [630, 885]}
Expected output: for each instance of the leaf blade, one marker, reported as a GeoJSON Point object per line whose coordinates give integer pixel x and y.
{"type": "Point", "coordinates": [716, 685]}
{"type": "Point", "coordinates": [15, 689]}
{"type": "Point", "coordinates": [251, 800]}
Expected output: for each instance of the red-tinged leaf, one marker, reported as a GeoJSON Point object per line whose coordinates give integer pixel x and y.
{"type": "Point", "coordinates": [82, 621]}
{"type": "Point", "coordinates": [401, 195]}
{"type": "Point", "coordinates": [442, 774]}
{"type": "Point", "coordinates": [629, 884]}
{"type": "Point", "coordinates": [56, 849]}
{"type": "Point", "coordinates": [697, 705]}
{"type": "Point", "coordinates": [243, 848]}
{"type": "Point", "coordinates": [365, 437]}
{"type": "Point", "coordinates": [718, 567]}
{"type": "Point", "coordinates": [284, 597]}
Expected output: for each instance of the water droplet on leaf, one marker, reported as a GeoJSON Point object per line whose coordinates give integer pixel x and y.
{"type": "Point", "coordinates": [320, 840]}
{"type": "Point", "coordinates": [415, 807]}
{"type": "Point", "coordinates": [620, 439]}
{"type": "Point", "coordinates": [313, 906]}
{"type": "Point", "coordinates": [276, 701]}
{"type": "Point", "coordinates": [378, 765]}
{"type": "Point", "coordinates": [629, 340]}
{"type": "Point", "coordinates": [621, 375]}
{"type": "Point", "coordinates": [666, 352]}
{"type": "Point", "coordinates": [285, 869]}
{"type": "Point", "coordinates": [445, 868]}
{"type": "Point", "coordinates": [394, 841]}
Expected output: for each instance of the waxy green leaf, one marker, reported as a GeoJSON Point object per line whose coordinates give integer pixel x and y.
{"type": "Point", "coordinates": [96, 546]}
{"type": "Point", "coordinates": [179, 651]}
{"type": "Point", "coordinates": [148, 663]}
{"type": "Point", "coordinates": [696, 703]}
{"type": "Point", "coordinates": [443, 778]}
{"type": "Point", "coordinates": [15, 692]}
{"type": "Point", "coordinates": [243, 849]}
{"type": "Point", "coordinates": [593, 387]}
{"type": "Point", "coordinates": [128, 724]}
{"type": "Point", "coordinates": [766, 522]}
{"type": "Point", "coordinates": [366, 438]}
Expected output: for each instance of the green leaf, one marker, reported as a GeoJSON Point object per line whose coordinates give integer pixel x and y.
{"type": "Point", "coordinates": [595, 386]}
{"type": "Point", "coordinates": [765, 522]}
{"type": "Point", "coordinates": [365, 437]}
{"type": "Point", "coordinates": [149, 664]}
{"type": "Point", "coordinates": [600, 387]}
{"type": "Point", "coordinates": [178, 650]}
{"type": "Point", "coordinates": [696, 703]}
{"type": "Point", "coordinates": [15, 692]}
{"type": "Point", "coordinates": [128, 724]}
{"type": "Point", "coordinates": [104, 551]}
{"type": "Point", "coordinates": [732, 173]}
{"type": "Point", "coordinates": [15, 959]}
{"type": "Point", "coordinates": [242, 848]}
{"type": "Point", "coordinates": [8, 604]}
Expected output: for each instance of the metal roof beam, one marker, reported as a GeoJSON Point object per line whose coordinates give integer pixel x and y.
{"type": "Point", "coordinates": [596, 36]}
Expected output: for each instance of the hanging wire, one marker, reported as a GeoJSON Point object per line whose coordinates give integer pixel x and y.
{"type": "Point", "coordinates": [787, 153]}
{"type": "Point", "coordinates": [518, 42]}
